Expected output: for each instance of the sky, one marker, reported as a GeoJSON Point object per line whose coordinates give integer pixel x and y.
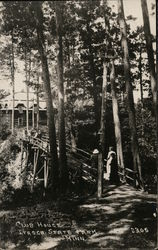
{"type": "Point", "coordinates": [131, 7]}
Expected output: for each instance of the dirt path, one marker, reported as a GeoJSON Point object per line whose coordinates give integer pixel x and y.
{"type": "Point", "coordinates": [123, 219]}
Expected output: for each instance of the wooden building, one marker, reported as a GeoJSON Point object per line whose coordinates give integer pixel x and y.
{"type": "Point", "coordinates": [20, 109]}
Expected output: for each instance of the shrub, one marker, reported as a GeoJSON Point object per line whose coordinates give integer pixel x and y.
{"type": "Point", "coordinates": [4, 131]}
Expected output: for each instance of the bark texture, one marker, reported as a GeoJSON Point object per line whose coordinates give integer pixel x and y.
{"type": "Point", "coordinates": [61, 117]}
{"type": "Point", "coordinates": [93, 75]}
{"type": "Point", "coordinates": [47, 87]}
{"type": "Point", "coordinates": [129, 92]}
{"type": "Point", "coordinates": [116, 118]}
{"type": "Point", "coordinates": [37, 89]}
{"type": "Point", "coordinates": [115, 107]}
{"type": "Point", "coordinates": [12, 79]}
{"type": "Point", "coordinates": [150, 52]}
{"type": "Point", "coordinates": [103, 109]}
{"type": "Point", "coordinates": [148, 38]}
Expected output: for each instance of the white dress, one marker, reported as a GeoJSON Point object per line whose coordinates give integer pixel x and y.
{"type": "Point", "coordinates": [108, 165]}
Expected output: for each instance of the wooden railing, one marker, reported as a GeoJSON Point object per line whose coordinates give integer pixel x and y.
{"type": "Point", "coordinates": [132, 172]}
{"type": "Point", "coordinates": [37, 142]}
{"type": "Point", "coordinates": [82, 159]}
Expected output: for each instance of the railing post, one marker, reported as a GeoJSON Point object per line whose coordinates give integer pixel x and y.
{"type": "Point", "coordinates": [100, 175]}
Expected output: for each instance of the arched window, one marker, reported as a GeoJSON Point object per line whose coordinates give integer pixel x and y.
{"type": "Point", "coordinates": [20, 109]}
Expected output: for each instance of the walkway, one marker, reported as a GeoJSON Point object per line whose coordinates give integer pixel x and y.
{"type": "Point", "coordinates": [123, 219]}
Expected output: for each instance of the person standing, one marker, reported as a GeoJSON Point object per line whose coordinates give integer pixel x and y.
{"type": "Point", "coordinates": [110, 159]}
{"type": "Point", "coordinates": [114, 177]}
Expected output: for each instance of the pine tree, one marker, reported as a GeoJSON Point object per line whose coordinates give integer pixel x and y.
{"type": "Point", "coordinates": [129, 92]}
{"type": "Point", "coordinates": [61, 115]}
{"type": "Point", "coordinates": [37, 7]}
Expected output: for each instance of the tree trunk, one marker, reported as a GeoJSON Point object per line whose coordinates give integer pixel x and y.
{"type": "Point", "coordinates": [116, 118]}
{"type": "Point", "coordinates": [37, 125]}
{"type": "Point", "coordinates": [12, 80]}
{"type": "Point", "coordinates": [149, 47]}
{"type": "Point", "coordinates": [69, 100]}
{"type": "Point", "coordinates": [61, 116]}
{"type": "Point", "coordinates": [103, 109]}
{"type": "Point", "coordinates": [101, 155]}
{"type": "Point", "coordinates": [73, 139]}
{"type": "Point", "coordinates": [27, 109]}
{"type": "Point", "coordinates": [150, 52]}
{"type": "Point", "coordinates": [29, 78]}
{"type": "Point", "coordinates": [27, 90]}
{"type": "Point", "coordinates": [118, 139]}
{"type": "Point", "coordinates": [50, 110]}
{"type": "Point", "coordinates": [93, 75]}
{"type": "Point", "coordinates": [33, 115]}
{"type": "Point", "coordinates": [129, 92]}
{"type": "Point", "coordinates": [140, 72]}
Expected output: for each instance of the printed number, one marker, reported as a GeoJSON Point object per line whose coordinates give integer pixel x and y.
{"type": "Point", "coordinates": [146, 230]}
{"type": "Point", "coordinates": [132, 230]}
{"type": "Point", "coordinates": [136, 230]}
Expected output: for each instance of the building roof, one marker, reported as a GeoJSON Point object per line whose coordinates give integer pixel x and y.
{"type": "Point", "coordinates": [21, 98]}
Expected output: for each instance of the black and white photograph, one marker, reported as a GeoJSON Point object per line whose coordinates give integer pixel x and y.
{"type": "Point", "coordinates": [78, 125]}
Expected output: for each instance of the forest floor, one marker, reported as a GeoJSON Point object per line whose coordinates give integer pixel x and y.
{"type": "Point", "coordinates": [124, 218]}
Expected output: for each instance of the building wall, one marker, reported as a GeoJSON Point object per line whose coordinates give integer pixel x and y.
{"type": "Point", "coordinates": [20, 118]}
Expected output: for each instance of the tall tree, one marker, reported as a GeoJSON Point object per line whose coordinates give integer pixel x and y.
{"type": "Point", "coordinates": [12, 77]}
{"type": "Point", "coordinates": [129, 91]}
{"type": "Point", "coordinates": [103, 108]}
{"type": "Point", "coordinates": [117, 126]}
{"type": "Point", "coordinates": [38, 14]}
{"type": "Point", "coordinates": [37, 95]}
{"type": "Point", "coordinates": [150, 52]}
{"type": "Point", "coordinates": [29, 79]}
{"type": "Point", "coordinates": [91, 33]}
{"type": "Point", "coordinates": [27, 88]}
{"type": "Point", "coordinates": [9, 30]}
{"type": "Point", "coordinates": [69, 98]}
{"type": "Point", "coordinates": [93, 74]}
{"type": "Point", "coordinates": [110, 53]}
{"type": "Point", "coordinates": [61, 116]}
{"type": "Point", "coordinates": [140, 72]}
{"type": "Point", "coordinates": [149, 47]}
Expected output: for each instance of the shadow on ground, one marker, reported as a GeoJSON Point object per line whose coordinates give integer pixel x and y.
{"type": "Point", "coordinates": [124, 218]}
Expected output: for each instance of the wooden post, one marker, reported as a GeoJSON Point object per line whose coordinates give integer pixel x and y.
{"type": "Point", "coordinates": [33, 115]}
{"type": "Point", "coordinates": [100, 175]}
{"type": "Point", "coordinates": [37, 103]}
{"type": "Point", "coordinates": [36, 154]}
{"type": "Point", "coordinates": [46, 169]}
{"type": "Point", "coordinates": [22, 152]}
{"type": "Point", "coordinates": [45, 173]}
{"type": "Point", "coordinates": [45, 177]}
{"type": "Point", "coordinates": [13, 103]}
{"type": "Point", "coordinates": [27, 108]}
